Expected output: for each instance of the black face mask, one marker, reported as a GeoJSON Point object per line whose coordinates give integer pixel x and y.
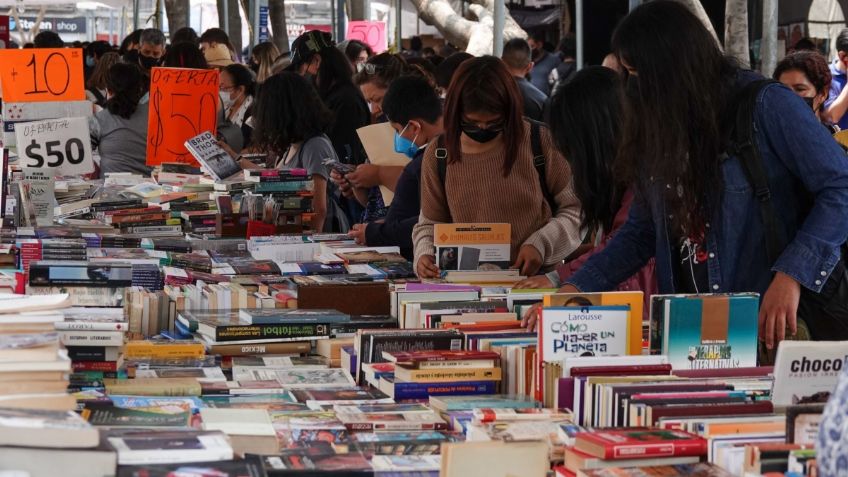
{"type": "Point", "coordinates": [254, 66]}
{"type": "Point", "coordinates": [482, 135]}
{"type": "Point", "coordinates": [148, 62]}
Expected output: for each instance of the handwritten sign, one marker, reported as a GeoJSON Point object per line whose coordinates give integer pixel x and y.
{"type": "Point", "coordinates": [36, 75]}
{"type": "Point", "coordinates": [371, 33]}
{"type": "Point", "coordinates": [61, 145]}
{"type": "Point", "coordinates": [183, 104]}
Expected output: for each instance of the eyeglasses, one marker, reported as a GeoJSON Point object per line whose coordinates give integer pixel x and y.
{"type": "Point", "coordinates": [227, 89]}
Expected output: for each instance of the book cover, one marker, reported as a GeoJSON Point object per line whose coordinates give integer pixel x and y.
{"type": "Point", "coordinates": [407, 391]}
{"type": "Point", "coordinates": [446, 375]}
{"type": "Point", "coordinates": [468, 403]}
{"type": "Point", "coordinates": [703, 469]}
{"type": "Point", "coordinates": [805, 368]}
{"type": "Point", "coordinates": [637, 443]}
{"type": "Point", "coordinates": [711, 331]}
{"type": "Point", "coordinates": [250, 466]}
{"type": "Point", "coordinates": [169, 447]}
{"type": "Point", "coordinates": [214, 159]}
{"type": "Point", "coordinates": [632, 299]}
{"type": "Point", "coordinates": [285, 316]}
{"type": "Point", "coordinates": [472, 246]}
{"type": "Point", "coordinates": [421, 357]}
{"type": "Point", "coordinates": [295, 378]}
{"type": "Point", "coordinates": [173, 415]}
{"type": "Point", "coordinates": [583, 331]}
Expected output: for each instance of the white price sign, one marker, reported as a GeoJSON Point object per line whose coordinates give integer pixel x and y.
{"type": "Point", "coordinates": [62, 145]}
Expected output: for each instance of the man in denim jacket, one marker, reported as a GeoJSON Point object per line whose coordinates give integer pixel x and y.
{"type": "Point", "coordinates": [675, 134]}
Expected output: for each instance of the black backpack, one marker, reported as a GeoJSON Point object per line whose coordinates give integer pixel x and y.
{"type": "Point", "coordinates": [539, 161]}
{"type": "Point", "coordinates": [825, 313]}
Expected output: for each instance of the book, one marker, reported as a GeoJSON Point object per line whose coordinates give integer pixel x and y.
{"type": "Point", "coordinates": [164, 349]}
{"type": "Point", "coordinates": [702, 469]}
{"type": "Point", "coordinates": [29, 347]}
{"type": "Point", "coordinates": [711, 331]}
{"type": "Point", "coordinates": [446, 375]}
{"type": "Point", "coordinates": [153, 387]}
{"type": "Point", "coordinates": [169, 447]}
{"type": "Point", "coordinates": [468, 403]}
{"type": "Point", "coordinates": [169, 415]}
{"type": "Point", "coordinates": [805, 368]}
{"type": "Point", "coordinates": [295, 378]}
{"type": "Point", "coordinates": [637, 443]}
{"type": "Point", "coordinates": [317, 398]}
{"type": "Point", "coordinates": [386, 420]}
{"type": "Point", "coordinates": [472, 246]}
{"type": "Point", "coordinates": [250, 430]}
{"type": "Point", "coordinates": [214, 159]}
{"type": "Point", "coordinates": [43, 428]}
{"type": "Point", "coordinates": [576, 461]}
{"type": "Point", "coordinates": [291, 316]}
{"type": "Point", "coordinates": [250, 466]}
{"type": "Point", "coordinates": [443, 359]}
{"type": "Point", "coordinates": [495, 459]}
{"type": "Point", "coordinates": [70, 462]}
{"type": "Point", "coordinates": [225, 328]}
{"type": "Point", "coordinates": [92, 338]}
{"type": "Point", "coordinates": [407, 391]}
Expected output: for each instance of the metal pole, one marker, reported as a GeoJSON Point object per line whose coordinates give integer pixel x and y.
{"type": "Point", "coordinates": [399, 25]}
{"type": "Point", "coordinates": [253, 19]}
{"type": "Point", "coordinates": [578, 23]}
{"type": "Point", "coordinates": [633, 4]}
{"type": "Point", "coordinates": [500, 20]}
{"type": "Point", "coordinates": [341, 22]}
{"type": "Point", "coordinates": [225, 21]}
{"type": "Point", "coordinates": [768, 50]}
{"type": "Point", "coordinates": [123, 30]}
{"type": "Point", "coordinates": [334, 25]}
{"type": "Point", "coordinates": [111, 25]}
{"type": "Point", "coordinates": [135, 14]}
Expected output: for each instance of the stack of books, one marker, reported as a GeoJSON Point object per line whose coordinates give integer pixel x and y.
{"type": "Point", "coordinates": [34, 366]}
{"type": "Point", "coordinates": [421, 374]}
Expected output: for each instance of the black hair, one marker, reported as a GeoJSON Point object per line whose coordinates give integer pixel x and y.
{"type": "Point", "coordinates": [568, 46]}
{"type": "Point", "coordinates": [185, 34]}
{"type": "Point", "coordinates": [335, 70]}
{"type": "Point", "coordinates": [242, 76]}
{"type": "Point", "coordinates": [127, 84]}
{"type": "Point", "coordinates": [446, 70]}
{"type": "Point", "coordinates": [675, 107]}
{"type": "Point", "coordinates": [185, 55]}
{"type": "Point", "coordinates": [98, 48]}
{"type": "Point", "coordinates": [805, 44]}
{"type": "Point", "coordinates": [152, 36]}
{"type": "Point", "coordinates": [517, 53]}
{"type": "Point", "coordinates": [428, 51]}
{"type": "Point", "coordinates": [411, 97]}
{"type": "Point", "coordinates": [287, 110]}
{"type": "Point", "coordinates": [538, 36]}
{"type": "Point", "coordinates": [387, 67]}
{"type": "Point", "coordinates": [415, 43]}
{"type": "Point", "coordinates": [134, 37]}
{"type": "Point", "coordinates": [48, 39]}
{"type": "Point", "coordinates": [585, 121]}
{"type": "Point", "coordinates": [217, 35]}
{"type": "Point", "coordinates": [354, 48]}
{"type": "Point", "coordinates": [842, 41]}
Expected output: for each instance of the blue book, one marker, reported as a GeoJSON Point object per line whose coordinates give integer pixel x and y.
{"type": "Point", "coordinates": [287, 186]}
{"type": "Point", "coordinates": [493, 401]}
{"type": "Point", "coordinates": [403, 391]}
{"type": "Point", "coordinates": [711, 331]}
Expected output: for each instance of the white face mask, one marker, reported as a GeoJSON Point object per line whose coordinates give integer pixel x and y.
{"type": "Point", "coordinates": [228, 100]}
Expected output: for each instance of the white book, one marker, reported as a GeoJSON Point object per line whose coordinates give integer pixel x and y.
{"type": "Point", "coordinates": [62, 363]}
{"type": "Point", "coordinates": [171, 448]}
{"type": "Point", "coordinates": [20, 304]}
{"type": "Point", "coordinates": [214, 159]}
{"type": "Point", "coordinates": [803, 368]}
{"type": "Point", "coordinates": [238, 422]}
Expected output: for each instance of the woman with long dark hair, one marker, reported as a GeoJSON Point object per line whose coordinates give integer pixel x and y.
{"type": "Point", "coordinates": [490, 175]}
{"type": "Point", "coordinates": [696, 211]}
{"type": "Point", "coordinates": [95, 87]}
{"type": "Point", "coordinates": [585, 120]}
{"type": "Point", "coordinates": [120, 130]}
{"type": "Point", "coordinates": [290, 125]}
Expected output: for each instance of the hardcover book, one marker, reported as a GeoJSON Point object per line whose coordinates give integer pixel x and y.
{"type": "Point", "coordinates": [634, 443]}
{"type": "Point", "coordinates": [214, 159]}
{"type": "Point", "coordinates": [472, 246]}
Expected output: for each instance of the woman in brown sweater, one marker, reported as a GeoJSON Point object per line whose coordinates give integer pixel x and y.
{"type": "Point", "coordinates": [491, 177]}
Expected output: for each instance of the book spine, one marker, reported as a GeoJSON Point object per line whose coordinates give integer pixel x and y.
{"type": "Point", "coordinates": [264, 332]}
{"type": "Point", "coordinates": [404, 391]}
{"type": "Point", "coordinates": [395, 426]}
{"type": "Point", "coordinates": [260, 349]}
{"type": "Point", "coordinates": [696, 447]}
{"type": "Point", "coordinates": [108, 366]}
{"type": "Point", "coordinates": [91, 338]}
{"type": "Point", "coordinates": [123, 219]}
{"type": "Point", "coordinates": [93, 353]}
{"type": "Point", "coordinates": [164, 351]}
{"type": "Point", "coordinates": [458, 375]}
{"type": "Point", "coordinates": [458, 364]}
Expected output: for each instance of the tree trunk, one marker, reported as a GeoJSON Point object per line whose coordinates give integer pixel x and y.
{"type": "Point", "coordinates": [277, 14]}
{"type": "Point", "coordinates": [565, 20]}
{"type": "Point", "coordinates": [177, 11]}
{"type": "Point", "coordinates": [698, 9]}
{"type": "Point", "coordinates": [736, 31]}
{"type": "Point", "coordinates": [474, 35]}
{"type": "Point", "coordinates": [234, 13]}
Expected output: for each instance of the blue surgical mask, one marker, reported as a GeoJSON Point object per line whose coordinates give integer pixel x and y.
{"type": "Point", "coordinates": [404, 145]}
{"type": "Point", "coordinates": [89, 61]}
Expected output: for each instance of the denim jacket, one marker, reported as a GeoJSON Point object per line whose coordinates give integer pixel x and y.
{"type": "Point", "coordinates": [801, 160]}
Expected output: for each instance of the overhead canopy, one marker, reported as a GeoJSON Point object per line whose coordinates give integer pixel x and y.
{"type": "Point", "coordinates": [535, 18]}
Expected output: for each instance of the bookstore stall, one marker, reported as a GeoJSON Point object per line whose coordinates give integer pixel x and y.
{"type": "Point", "coordinates": [189, 324]}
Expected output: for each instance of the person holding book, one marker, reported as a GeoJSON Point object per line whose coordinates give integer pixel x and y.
{"type": "Point", "coordinates": [489, 174]}
{"type": "Point", "coordinates": [586, 120]}
{"type": "Point", "coordinates": [686, 150]}
{"type": "Point", "coordinates": [290, 125]}
{"type": "Point", "coordinates": [414, 111]}
{"type": "Point", "coordinates": [119, 132]}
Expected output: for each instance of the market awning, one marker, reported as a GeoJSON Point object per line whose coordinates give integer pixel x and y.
{"type": "Point", "coordinates": [535, 18]}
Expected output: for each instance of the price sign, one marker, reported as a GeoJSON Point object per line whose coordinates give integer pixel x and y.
{"type": "Point", "coordinates": [35, 75]}
{"type": "Point", "coordinates": [371, 33]}
{"type": "Point", "coordinates": [183, 104]}
{"type": "Point", "coordinates": [61, 145]}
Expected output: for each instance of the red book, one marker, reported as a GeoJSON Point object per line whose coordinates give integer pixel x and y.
{"type": "Point", "coordinates": [637, 443]}
{"type": "Point", "coordinates": [724, 372]}
{"type": "Point", "coordinates": [709, 409]}
{"type": "Point", "coordinates": [633, 370]}
{"type": "Point", "coordinates": [111, 366]}
{"type": "Point", "coordinates": [419, 356]}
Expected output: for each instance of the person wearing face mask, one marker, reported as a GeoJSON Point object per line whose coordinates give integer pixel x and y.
{"type": "Point", "coordinates": [93, 52]}
{"type": "Point", "coordinates": [415, 113]}
{"type": "Point", "coordinates": [151, 48]}
{"type": "Point", "coordinates": [237, 88]}
{"type": "Point", "coordinates": [95, 86]}
{"type": "Point", "coordinates": [807, 74]}
{"type": "Point", "coordinates": [484, 170]}
{"type": "Point", "coordinates": [262, 60]}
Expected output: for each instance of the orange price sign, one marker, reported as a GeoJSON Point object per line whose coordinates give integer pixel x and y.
{"type": "Point", "coordinates": [371, 33]}
{"type": "Point", "coordinates": [183, 103]}
{"type": "Point", "coordinates": [39, 75]}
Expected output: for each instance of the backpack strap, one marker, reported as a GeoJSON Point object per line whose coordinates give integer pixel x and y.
{"type": "Point", "coordinates": [746, 149]}
{"type": "Point", "coordinates": [540, 162]}
{"type": "Point", "coordinates": [442, 164]}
